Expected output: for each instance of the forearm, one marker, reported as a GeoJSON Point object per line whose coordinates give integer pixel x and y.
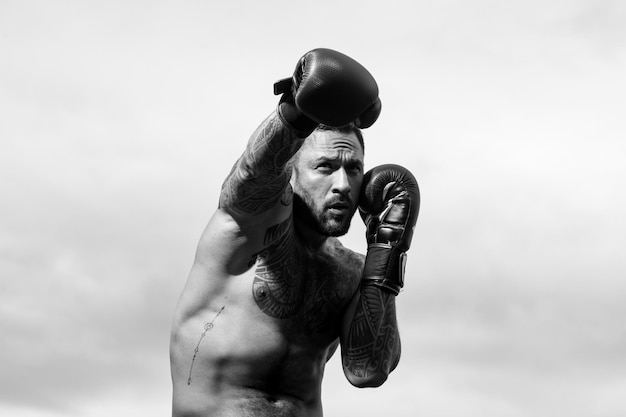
{"type": "Point", "coordinates": [370, 340]}
{"type": "Point", "coordinates": [260, 175]}
{"type": "Point", "coordinates": [389, 205]}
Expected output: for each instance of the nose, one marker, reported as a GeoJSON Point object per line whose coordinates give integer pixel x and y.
{"type": "Point", "coordinates": [341, 181]}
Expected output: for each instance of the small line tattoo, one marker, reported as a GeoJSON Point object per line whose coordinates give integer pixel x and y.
{"type": "Point", "coordinates": [207, 328]}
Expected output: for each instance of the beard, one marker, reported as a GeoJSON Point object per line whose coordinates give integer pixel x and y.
{"type": "Point", "coordinates": [321, 219]}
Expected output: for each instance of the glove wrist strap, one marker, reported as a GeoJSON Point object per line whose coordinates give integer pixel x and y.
{"type": "Point", "coordinates": [384, 267]}
{"type": "Point", "coordinates": [289, 113]}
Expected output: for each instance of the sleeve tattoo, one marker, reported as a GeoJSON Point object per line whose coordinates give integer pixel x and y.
{"type": "Point", "coordinates": [259, 177]}
{"type": "Point", "coordinates": [373, 341]}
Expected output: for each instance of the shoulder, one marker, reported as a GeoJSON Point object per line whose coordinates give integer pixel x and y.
{"type": "Point", "coordinates": [233, 242]}
{"type": "Point", "coordinates": [335, 245]}
{"type": "Point", "coordinates": [346, 257]}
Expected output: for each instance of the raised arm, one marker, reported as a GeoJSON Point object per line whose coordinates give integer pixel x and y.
{"type": "Point", "coordinates": [370, 342]}
{"type": "Point", "coordinates": [327, 87]}
{"type": "Point", "coordinates": [259, 177]}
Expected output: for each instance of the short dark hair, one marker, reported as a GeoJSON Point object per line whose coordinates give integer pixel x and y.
{"type": "Point", "coordinates": [346, 129]}
{"type": "Point", "coordinates": [349, 128]}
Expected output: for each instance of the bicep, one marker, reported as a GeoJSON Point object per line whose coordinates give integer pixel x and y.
{"type": "Point", "coordinates": [230, 243]}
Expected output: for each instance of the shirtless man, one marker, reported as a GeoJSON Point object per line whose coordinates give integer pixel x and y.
{"type": "Point", "coordinates": [272, 292]}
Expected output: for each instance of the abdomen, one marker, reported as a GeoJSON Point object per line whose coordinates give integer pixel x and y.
{"type": "Point", "coordinates": [232, 351]}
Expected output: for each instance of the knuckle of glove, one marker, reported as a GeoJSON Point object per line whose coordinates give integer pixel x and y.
{"type": "Point", "coordinates": [336, 90]}
{"type": "Point", "coordinates": [369, 116]}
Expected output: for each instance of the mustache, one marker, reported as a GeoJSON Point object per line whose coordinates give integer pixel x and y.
{"type": "Point", "coordinates": [340, 201]}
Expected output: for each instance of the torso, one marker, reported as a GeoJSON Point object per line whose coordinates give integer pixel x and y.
{"type": "Point", "coordinates": [256, 343]}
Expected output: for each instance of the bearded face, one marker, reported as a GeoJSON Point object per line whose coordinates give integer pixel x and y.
{"type": "Point", "coordinates": [329, 218]}
{"type": "Point", "coordinates": [326, 181]}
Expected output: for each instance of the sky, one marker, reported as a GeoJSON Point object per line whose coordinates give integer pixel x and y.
{"type": "Point", "coordinates": [120, 119]}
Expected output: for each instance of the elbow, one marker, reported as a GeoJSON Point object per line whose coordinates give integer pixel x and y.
{"type": "Point", "coordinates": [366, 380]}
{"type": "Point", "coordinates": [372, 377]}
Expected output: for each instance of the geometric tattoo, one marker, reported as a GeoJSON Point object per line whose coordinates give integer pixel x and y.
{"type": "Point", "coordinates": [371, 332]}
{"type": "Point", "coordinates": [258, 182]}
{"type": "Point", "coordinates": [258, 179]}
{"type": "Point", "coordinates": [274, 288]}
{"type": "Point", "coordinates": [207, 328]}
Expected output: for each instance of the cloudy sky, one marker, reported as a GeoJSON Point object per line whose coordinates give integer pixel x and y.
{"type": "Point", "coordinates": [120, 119]}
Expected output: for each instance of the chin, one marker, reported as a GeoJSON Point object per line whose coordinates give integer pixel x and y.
{"type": "Point", "coordinates": [335, 229]}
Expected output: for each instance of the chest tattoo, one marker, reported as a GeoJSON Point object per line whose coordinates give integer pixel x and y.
{"type": "Point", "coordinates": [276, 289]}
{"type": "Point", "coordinates": [307, 292]}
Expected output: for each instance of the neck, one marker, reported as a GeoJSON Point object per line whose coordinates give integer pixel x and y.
{"type": "Point", "coordinates": [309, 237]}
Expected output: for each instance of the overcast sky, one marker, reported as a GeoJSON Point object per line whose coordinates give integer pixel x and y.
{"type": "Point", "coordinates": [120, 119]}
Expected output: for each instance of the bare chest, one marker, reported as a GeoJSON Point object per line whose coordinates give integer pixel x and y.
{"type": "Point", "coordinates": [306, 293]}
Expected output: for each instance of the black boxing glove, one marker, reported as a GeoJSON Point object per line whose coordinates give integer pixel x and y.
{"type": "Point", "coordinates": [329, 88]}
{"type": "Point", "coordinates": [389, 205]}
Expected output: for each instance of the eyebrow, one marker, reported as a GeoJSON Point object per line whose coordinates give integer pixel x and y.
{"type": "Point", "coordinates": [348, 161]}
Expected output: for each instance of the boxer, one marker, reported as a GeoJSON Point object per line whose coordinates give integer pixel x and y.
{"type": "Point", "coordinates": [272, 292]}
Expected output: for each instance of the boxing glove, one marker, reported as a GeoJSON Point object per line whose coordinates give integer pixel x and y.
{"type": "Point", "coordinates": [328, 88]}
{"type": "Point", "coordinates": [389, 205]}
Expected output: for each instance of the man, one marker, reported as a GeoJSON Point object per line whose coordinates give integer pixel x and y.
{"type": "Point", "coordinates": [272, 292]}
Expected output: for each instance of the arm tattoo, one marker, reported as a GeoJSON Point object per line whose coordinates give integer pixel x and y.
{"type": "Point", "coordinates": [207, 328]}
{"type": "Point", "coordinates": [373, 342]}
{"type": "Point", "coordinates": [259, 177]}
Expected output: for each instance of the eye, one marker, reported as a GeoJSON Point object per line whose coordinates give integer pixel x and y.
{"type": "Point", "coordinates": [354, 169]}
{"type": "Point", "coordinates": [324, 166]}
